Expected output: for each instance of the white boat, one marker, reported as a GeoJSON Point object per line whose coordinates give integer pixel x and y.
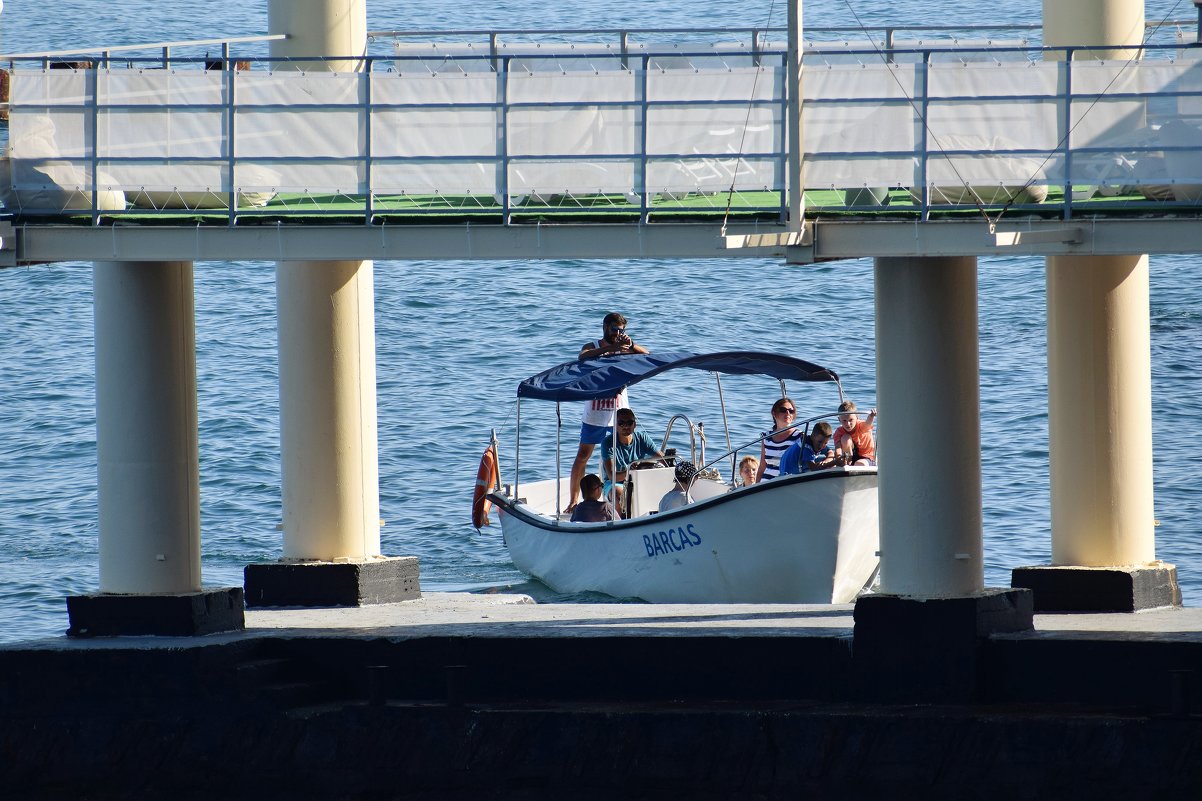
{"type": "Point", "coordinates": [809, 538]}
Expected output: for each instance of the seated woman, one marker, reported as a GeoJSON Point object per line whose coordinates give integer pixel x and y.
{"type": "Point", "coordinates": [592, 509]}
{"type": "Point", "coordinates": [632, 446]}
{"type": "Point", "coordinates": [773, 447]}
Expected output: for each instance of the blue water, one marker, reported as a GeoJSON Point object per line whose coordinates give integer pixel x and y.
{"type": "Point", "coordinates": [453, 339]}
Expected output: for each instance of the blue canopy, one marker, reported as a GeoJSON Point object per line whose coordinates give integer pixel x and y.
{"type": "Point", "coordinates": [580, 380]}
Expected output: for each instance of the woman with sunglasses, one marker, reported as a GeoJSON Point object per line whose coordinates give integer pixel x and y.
{"type": "Point", "coordinates": [773, 447]}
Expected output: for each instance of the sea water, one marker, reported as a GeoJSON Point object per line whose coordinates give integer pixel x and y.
{"type": "Point", "coordinates": [454, 338]}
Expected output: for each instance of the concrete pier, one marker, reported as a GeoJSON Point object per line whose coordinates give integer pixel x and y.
{"type": "Point", "coordinates": [456, 696]}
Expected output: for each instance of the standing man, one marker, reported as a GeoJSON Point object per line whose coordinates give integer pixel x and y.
{"type": "Point", "coordinates": [597, 421]}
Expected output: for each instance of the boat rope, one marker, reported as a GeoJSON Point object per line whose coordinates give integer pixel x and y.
{"type": "Point", "coordinates": [508, 417]}
{"type": "Point", "coordinates": [734, 174]}
{"type": "Point", "coordinates": [976, 199]}
{"type": "Point", "coordinates": [726, 427]}
{"type": "Point", "coordinates": [558, 468]}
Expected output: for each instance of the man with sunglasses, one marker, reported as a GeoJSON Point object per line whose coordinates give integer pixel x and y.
{"type": "Point", "coordinates": [631, 445]}
{"type": "Point", "coordinates": [597, 421]}
{"type": "Point", "coordinates": [614, 342]}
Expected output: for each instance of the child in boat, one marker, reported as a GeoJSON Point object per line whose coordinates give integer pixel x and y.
{"type": "Point", "coordinates": [592, 509]}
{"type": "Point", "coordinates": [748, 467]}
{"type": "Point", "coordinates": [811, 453]}
{"type": "Point", "coordinates": [854, 444]}
{"type": "Point", "coordinates": [678, 496]}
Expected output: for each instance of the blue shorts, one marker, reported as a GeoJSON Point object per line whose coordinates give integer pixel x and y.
{"type": "Point", "coordinates": [594, 435]}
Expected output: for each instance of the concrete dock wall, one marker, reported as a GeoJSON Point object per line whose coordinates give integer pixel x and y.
{"type": "Point", "coordinates": [632, 717]}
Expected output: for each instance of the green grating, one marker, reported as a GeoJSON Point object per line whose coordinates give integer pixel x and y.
{"type": "Point", "coordinates": [825, 204]}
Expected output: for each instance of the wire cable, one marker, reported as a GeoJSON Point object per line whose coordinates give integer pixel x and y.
{"type": "Point", "coordinates": [1135, 56]}
{"type": "Point", "coordinates": [734, 174]}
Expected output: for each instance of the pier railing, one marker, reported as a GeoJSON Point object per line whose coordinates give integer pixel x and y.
{"type": "Point", "coordinates": [509, 133]}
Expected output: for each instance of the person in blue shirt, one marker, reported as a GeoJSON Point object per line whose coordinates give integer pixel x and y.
{"type": "Point", "coordinates": [632, 445]}
{"type": "Point", "coordinates": [809, 453]}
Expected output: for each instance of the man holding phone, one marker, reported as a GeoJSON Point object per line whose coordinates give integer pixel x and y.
{"type": "Point", "coordinates": [597, 420]}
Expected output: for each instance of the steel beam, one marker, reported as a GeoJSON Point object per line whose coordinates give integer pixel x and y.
{"type": "Point", "coordinates": [831, 240]}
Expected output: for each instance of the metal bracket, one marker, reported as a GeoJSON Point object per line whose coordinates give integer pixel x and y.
{"type": "Point", "coordinates": [775, 240]}
{"type": "Point", "coordinates": [1060, 236]}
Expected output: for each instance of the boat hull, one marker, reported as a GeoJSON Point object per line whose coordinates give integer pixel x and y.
{"type": "Point", "coordinates": [811, 538]}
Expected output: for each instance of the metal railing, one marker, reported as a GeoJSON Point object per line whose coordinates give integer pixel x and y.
{"type": "Point", "coordinates": [508, 205]}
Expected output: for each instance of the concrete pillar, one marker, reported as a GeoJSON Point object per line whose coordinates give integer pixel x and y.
{"type": "Point", "coordinates": [1099, 362]}
{"type": "Point", "coordinates": [1093, 22]}
{"type": "Point", "coordinates": [319, 28]}
{"type": "Point", "coordinates": [1099, 394]}
{"type": "Point", "coordinates": [930, 430]}
{"type": "Point", "coordinates": [919, 638]}
{"type": "Point", "coordinates": [327, 349]}
{"type": "Point", "coordinates": [327, 343]}
{"type": "Point", "coordinates": [1100, 410]}
{"type": "Point", "coordinates": [149, 471]}
{"type": "Point", "coordinates": [328, 410]}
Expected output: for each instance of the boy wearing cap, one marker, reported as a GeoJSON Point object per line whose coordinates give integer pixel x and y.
{"type": "Point", "coordinates": [679, 496]}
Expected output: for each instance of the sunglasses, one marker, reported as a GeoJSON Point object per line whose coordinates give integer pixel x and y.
{"type": "Point", "coordinates": [786, 410]}
{"type": "Point", "coordinates": [613, 329]}
{"type": "Point", "coordinates": [625, 422]}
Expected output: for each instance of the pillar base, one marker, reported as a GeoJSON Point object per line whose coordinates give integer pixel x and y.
{"type": "Point", "coordinates": [1099, 589]}
{"type": "Point", "coordinates": [911, 650]}
{"type": "Point", "coordinates": [187, 614]}
{"type": "Point", "coordinates": [379, 581]}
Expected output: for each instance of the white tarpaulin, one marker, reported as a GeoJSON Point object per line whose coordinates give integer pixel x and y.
{"type": "Point", "coordinates": [698, 128]}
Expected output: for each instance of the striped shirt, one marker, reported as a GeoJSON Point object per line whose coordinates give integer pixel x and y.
{"type": "Point", "coordinates": [774, 450]}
